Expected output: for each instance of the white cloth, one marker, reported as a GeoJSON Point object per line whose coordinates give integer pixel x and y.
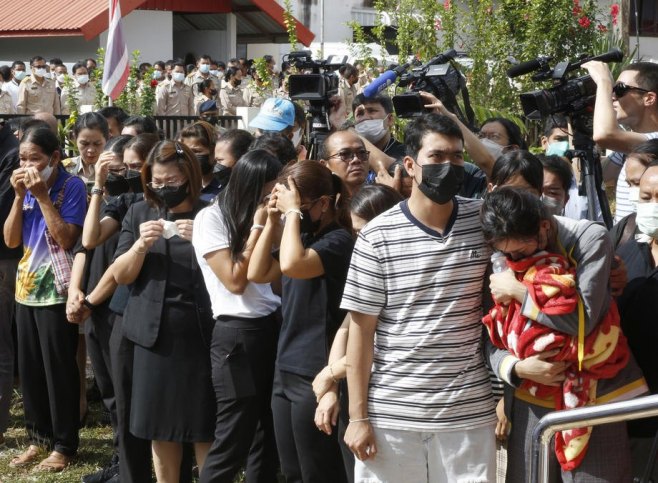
{"type": "Point", "coordinates": [210, 235]}
{"type": "Point", "coordinates": [418, 457]}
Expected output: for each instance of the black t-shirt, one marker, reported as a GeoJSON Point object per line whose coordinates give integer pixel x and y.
{"type": "Point", "coordinates": [311, 307]}
{"type": "Point", "coordinates": [475, 182]}
{"type": "Point", "coordinates": [638, 306]}
{"type": "Point", "coordinates": [395, 150]}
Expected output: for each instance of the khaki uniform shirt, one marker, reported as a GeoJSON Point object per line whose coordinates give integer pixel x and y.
{"type": "Point", "coordinates": [232, 98]}
{"type": "Point", "coordinates": [34, 96]}
{"type": "Point", "coordinates": [6, 102]}
{"type": "Point", "coordinates": [255, 97]}
{"type": "Point", "coordinates": [173, 100]}
{"type": "Point", "coordinates": [195, 78]}
{"type": "Point", "coordinates": [347, 93]}
{"type": "Point", "coordinates": [85, 96]}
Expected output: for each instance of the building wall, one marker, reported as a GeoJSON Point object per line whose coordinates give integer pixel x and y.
{"type": "Point", "coordinates": [648, 47]}
{"type": "Point", "coordinates": [69, 49]}
{"type": "Point", "coordinates": [150, 32]}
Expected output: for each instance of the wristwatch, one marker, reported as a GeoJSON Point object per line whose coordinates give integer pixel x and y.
{"type": "Point", "coordinates": [96, 191]}
{"type": "Point", "coordinates": [88, 304]}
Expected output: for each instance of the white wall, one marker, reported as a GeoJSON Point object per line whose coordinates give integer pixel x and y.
{"type": "Point", "coordinates": [150, 32]}
{"type": "Point", "coordinates": [200, 42]}
{"type": "Point", "coordinates": [648, 47]}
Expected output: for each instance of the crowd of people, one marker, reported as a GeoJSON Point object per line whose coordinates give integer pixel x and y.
{"type": "Point", "coordinates": [204, 87]}
{"type": "Point", "coordinates": [334, 319]}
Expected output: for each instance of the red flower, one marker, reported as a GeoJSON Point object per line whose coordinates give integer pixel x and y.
{"type": "Point", "coordinates": [576, 10]}
{"type": "Point", "coordinates": [447, 4]}
{"type": "Point", "coordinates": [154, 83]}
{"type": "Point", "coordinates": [602, 28]}
{"type": "Point", "coordinates": [437, 24]}
{"type": "Point", "coordinates": [584, 22]}
{"type": "Point", "coordinates": [614, 13]}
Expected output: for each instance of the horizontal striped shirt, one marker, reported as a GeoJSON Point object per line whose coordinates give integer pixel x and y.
{"type": "Point", "coordinates": [428, 371]}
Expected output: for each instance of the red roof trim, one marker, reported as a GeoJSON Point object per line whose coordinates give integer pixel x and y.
{"type": "Point", "coordinates": [274, 10]}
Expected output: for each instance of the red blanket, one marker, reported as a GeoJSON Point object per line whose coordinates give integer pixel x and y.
{"type": "Point", "coordinates": [551, 284]}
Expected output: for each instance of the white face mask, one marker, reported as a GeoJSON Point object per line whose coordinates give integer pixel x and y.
{"type": "Point", "coordinates": [157, 74]}
{"type": "Point", "coordinates": [495, 149]}
{"type": "Point", "coordinates": [204, 68]}
{"type": "Point", "coordinates": [178, 76]}
{"type": "Point", "coordinates": [45, 173]}
{"type": "Point", "coordinates": [297, 137]}
{"type": "Point", "coordinates": [41, 73]}
{"type": "Point", "coordinates": [83, 79]}
{"type": "Point", "coordinates": [634, 196]}
{"type": "Point", "coordinates": [61, 78]}
{"type": "Point", "coordinates": [214, 72]}
{"type": "Point", "coordinates": [553, 206]}
{"type": "Point", "coordinates": [647, 219]}
{"type": "Point", "coordinates": [372, 129]}
{"type": "Point", "coordinates": [19, 75]}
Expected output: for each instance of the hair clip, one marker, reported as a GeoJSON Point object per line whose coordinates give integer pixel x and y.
{"type": "Point", "coordinates": [179, 149]}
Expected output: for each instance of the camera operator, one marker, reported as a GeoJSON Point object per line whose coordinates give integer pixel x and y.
{"type": "Point", "coordinates": [632, 102]}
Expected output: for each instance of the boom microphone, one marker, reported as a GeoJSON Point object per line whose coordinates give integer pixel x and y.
{"type": "Point", "coordinates": [527, 67]}
{"type": "Point", "coordinates": [384, 80]}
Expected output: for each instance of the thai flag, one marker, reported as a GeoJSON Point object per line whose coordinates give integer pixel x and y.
{"type": "Point", "coordinates": [116, 67]}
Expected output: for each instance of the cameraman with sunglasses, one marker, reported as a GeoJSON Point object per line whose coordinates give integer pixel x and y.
{"type": "Point", "coordinates": [625, 115]}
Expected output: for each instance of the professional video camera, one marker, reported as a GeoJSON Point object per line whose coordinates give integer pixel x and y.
{"type": "Point", "coordinates": [315, 87]}
{"type": "Point", "coordinates": [441, 77]}
{"type": "Point", "coordinates": [573, 98]}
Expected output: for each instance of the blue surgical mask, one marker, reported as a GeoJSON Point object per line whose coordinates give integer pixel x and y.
{"type": "Point", "coordinates": [558, 148]}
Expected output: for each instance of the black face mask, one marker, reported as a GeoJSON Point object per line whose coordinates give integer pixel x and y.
{"type": "Point", "coordinates": [134, 179]}
{"type": "Point", "coordinates": [441, 182]}
{"type": "Point", "coordinates": [204, 162]}
{"type": "Point", "coordinates": [222, 174]}
{"type": "Point", "coordinates": [306, 225]}
{"type": "Point", "coordinates": [237, 82]}
{"type": "Point", "coordinates": [213, 92]}
{"type": "Point", "coordinates": [116, 184]}
{"type": "Point", "coordinates": [172, 197]}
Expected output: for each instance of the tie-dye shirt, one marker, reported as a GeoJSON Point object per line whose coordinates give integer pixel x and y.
{"type": "Point", "coordinates": [35, 278]}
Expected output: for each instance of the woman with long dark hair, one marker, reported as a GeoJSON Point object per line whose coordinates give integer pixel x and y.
{"type": "Point", "coordinates": [313, 259]}
{"type": "Point", "coordinates": [244, 339]}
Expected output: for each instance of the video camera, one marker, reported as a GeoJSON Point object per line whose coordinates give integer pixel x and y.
{"type": "Point", "coordinates": [573, 98]}
{"type": "Point", "coordinates": [441, 77]}
{"type": "Point", "coordinates": [567, 96]}
{"type": "Point", "coordinates": [316, 87]}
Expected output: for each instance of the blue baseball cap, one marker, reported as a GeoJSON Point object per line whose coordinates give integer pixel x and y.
{"type": "Point", "coordinates": [275, 114]}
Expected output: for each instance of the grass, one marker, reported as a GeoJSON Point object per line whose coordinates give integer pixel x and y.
{"type": "Point", "coordinates": [95, 448]}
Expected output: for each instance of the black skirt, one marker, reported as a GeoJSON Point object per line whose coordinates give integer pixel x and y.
{"type": "Point", "coordinates": [172, 393]}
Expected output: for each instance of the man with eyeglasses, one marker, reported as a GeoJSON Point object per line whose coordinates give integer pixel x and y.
{"type": "Point", "coordinates": [631, 102]}
{"type": "Point", "coordinates": [345, 154]}
{"type": "Point", "coordinates": [38, 92]}
{"type": "Point", "coordinates": [420, 401]}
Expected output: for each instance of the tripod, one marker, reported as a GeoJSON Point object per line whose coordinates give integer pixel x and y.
{"type": "Point", "coordinates": [590, 167]}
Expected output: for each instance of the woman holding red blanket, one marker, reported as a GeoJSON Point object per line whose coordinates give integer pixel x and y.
{"type": "Point", "coordinates": [555, 337]}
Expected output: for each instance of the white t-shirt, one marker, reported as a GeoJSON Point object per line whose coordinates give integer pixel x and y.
{"type": "Point", "coordinates": [210, 235]}
{"type": "Point", "coordinates": [623, 205]}
{"type": "Point", "coordinates": [428, 373]}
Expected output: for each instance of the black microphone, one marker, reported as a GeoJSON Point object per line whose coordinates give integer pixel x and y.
{"type": "Point", "coordinates": [527, 67]}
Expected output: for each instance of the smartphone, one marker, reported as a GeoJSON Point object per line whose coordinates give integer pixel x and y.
{"type": "Point", "coordinates": [409, 104]}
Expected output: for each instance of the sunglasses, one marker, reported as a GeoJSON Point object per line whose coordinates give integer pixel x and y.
{"type": "Point", "coordinates": [620, 89]}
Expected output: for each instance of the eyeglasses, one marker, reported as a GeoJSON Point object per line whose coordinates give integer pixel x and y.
{"type": "Point", "coordinates": [173, 184]}
{"type": "Point", "coordinates": [620, 89]}
{"type": "Point", "coordinates": [347, 156]}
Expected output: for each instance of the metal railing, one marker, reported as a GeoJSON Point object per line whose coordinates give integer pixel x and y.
{"type": "Point", "coordinates": [644, 407]}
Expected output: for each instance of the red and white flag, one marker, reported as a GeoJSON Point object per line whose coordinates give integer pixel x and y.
{"type": "Point", "coordinates": [116, 66]}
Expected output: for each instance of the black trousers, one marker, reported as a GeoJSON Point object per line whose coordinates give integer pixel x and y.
{"type": "Point", "coordinates": [242, 356]}
{"type": "Point", "coordinates": [50, 382]}
{"type": "Point", "coordinates": [97, 334]}
{"type": "Point", "coordinates": [134, 452]}
{"type": "Point", "coordinates": [306, 454]}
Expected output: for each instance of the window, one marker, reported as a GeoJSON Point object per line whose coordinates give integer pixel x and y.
{"type": "Point", "coordinates": [647, 12]}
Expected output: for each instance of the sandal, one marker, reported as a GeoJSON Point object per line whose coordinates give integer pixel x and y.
{"type": "Point", "coordinates": [54, 463]}
{"type": "Point", "coordinates": [26, 457]}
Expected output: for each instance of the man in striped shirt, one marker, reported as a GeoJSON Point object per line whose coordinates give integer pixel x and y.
{"type": "Point", "coordinates": [421, 407]}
